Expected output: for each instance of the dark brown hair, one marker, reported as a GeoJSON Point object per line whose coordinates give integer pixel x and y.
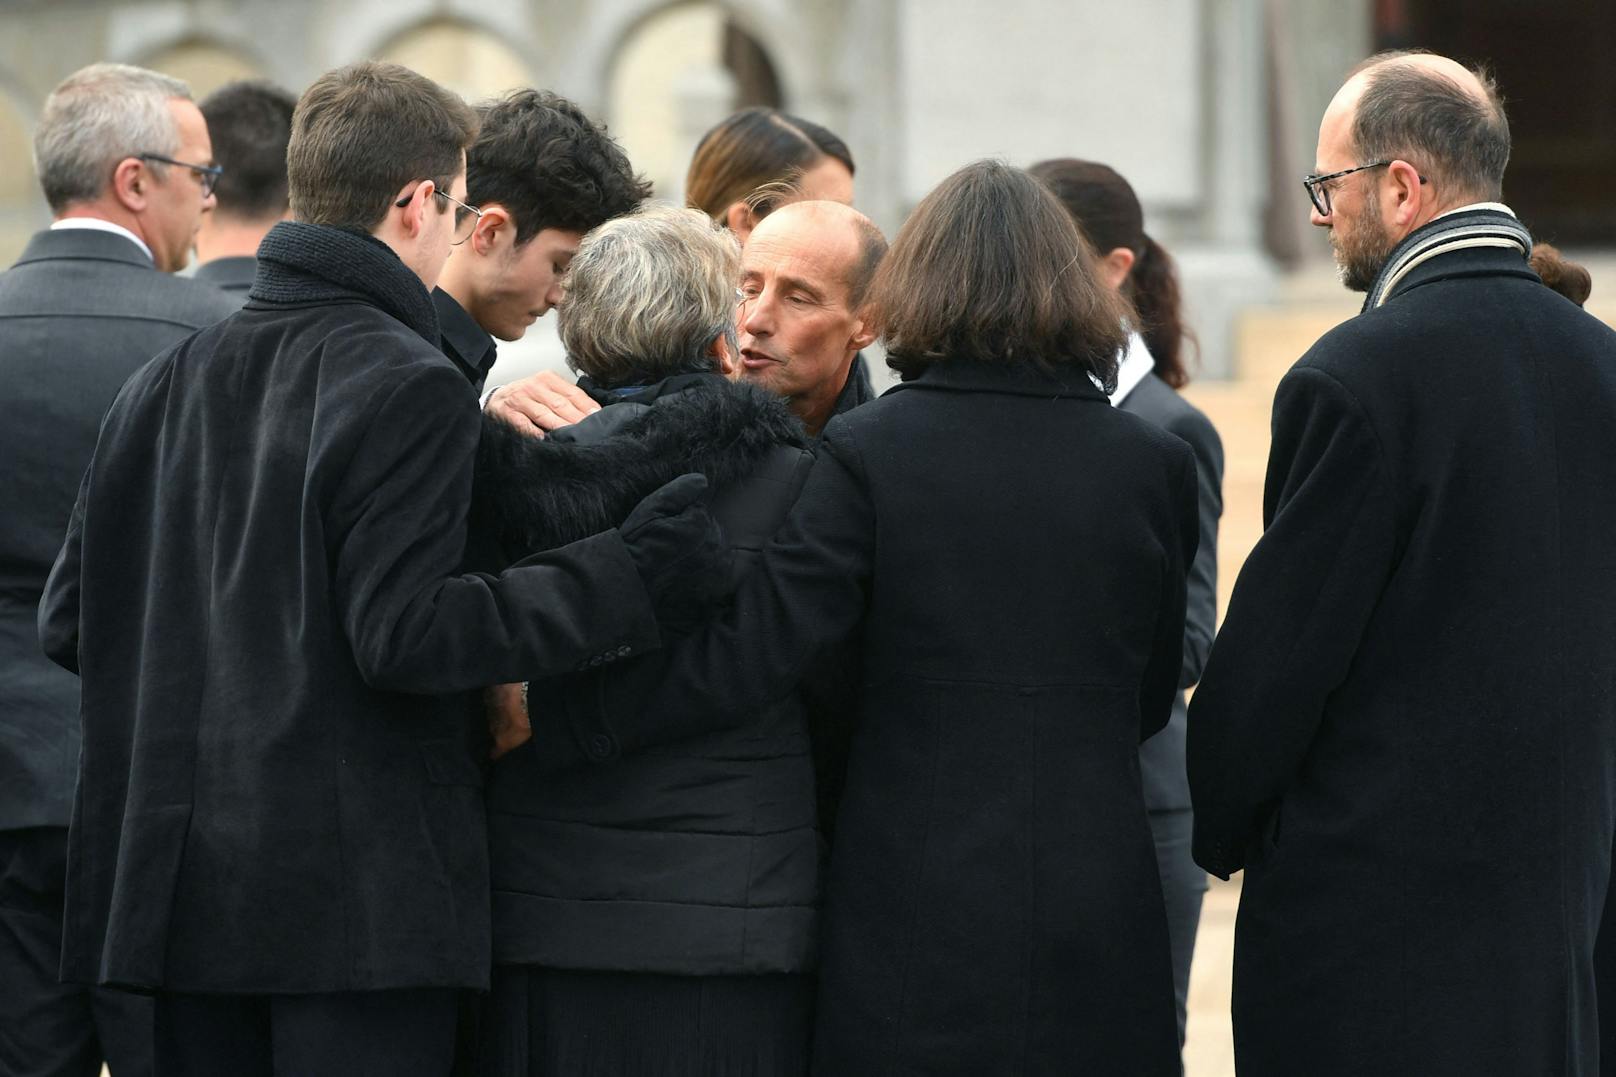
{"type": "Point", "coordinates": [1560, 273]}
{"type": "Point", "coordinates": [249, 123]}
{"type": "Point", "coordinates": [756, 148]}
{"type": "Point", "coordinates": [550, 165]}
{"type": "Point", "coordinates": [990, 267]}
{"type": "Point", "coordinates": [361, 132]}
{"type": "Point", "coordinates": [1108, 214]}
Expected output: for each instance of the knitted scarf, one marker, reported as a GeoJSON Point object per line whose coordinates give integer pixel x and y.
{"type": "Point", "coordinates": [1489, 224]}
{"type": "Point", "coordinates": [311, 263]}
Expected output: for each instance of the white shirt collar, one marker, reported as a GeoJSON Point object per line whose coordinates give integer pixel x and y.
{"type": "Point", "coordinates": [1135, 367]}
{"type": "Point", "coordinates": [98, 225]}
{"type": "Point", "coordinates": [1496, 207]}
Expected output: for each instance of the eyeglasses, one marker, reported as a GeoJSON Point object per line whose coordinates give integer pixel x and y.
{"type": "Point", "coordinates": [206, 175]}
{"type": "Point", "coordinates": [1319, 194]}
{"type": "Point", "coordinates": [466, 217]}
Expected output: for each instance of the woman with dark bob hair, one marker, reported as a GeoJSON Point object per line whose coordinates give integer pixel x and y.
{"type": "Point", "coordinates": [1010, 552]}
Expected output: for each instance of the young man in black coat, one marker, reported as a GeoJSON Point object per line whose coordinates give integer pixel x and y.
{"type": "Point", "coordinates": [1406, 733]}
{"type": "Point", "coordinates": [92, 298]}
{"type": "Point", "coordinates": [278, 828]}
{"type": "Point", "coordinates": [542, 174]}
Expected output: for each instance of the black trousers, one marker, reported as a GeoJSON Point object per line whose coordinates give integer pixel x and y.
{"type": "Point", "coordinates": [1183, 886]}
{"type": "Point", "coordinates": [353, 1034]}
{"type": "Point", "coordinates": [48, 1028]}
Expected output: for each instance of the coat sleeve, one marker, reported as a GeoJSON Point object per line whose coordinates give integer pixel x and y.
{"type": "Point", "coordinates": [1297, 615]}
{"type": "Point", "coordinates": [807, 593]}
{"type": "Point", "coordinates": [400, 521]}
{"type": "Point", "coordinates": [1201, 612]}
{"type": "Point", "coordinates": [1159, 686]}
{"type": "Point", "coordinates": [59, 605]}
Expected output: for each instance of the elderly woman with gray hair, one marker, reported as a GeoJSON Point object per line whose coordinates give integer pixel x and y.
{"type": "Point", "coordinates": [659, 915]}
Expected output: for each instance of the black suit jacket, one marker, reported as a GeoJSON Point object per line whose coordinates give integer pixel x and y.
{"type": "Point", "coordinates": [79, 312]}
{"type": "Point", "coordinates": [1406, 733]}
{"type": "Point", "coordinates": [233, 276]}
{"type": "Point", "coordinates": [1161, 758]}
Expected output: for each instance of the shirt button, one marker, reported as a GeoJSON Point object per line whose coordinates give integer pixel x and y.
{"type": "Point", "coordinates": [600, 746]}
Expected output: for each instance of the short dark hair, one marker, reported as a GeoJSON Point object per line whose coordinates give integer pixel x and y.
{"type": "Point", "coordinates": [990, 267]}
{"type": "Point", "coordinates": [361, 132]}
{"type": "Point", "coordinates": [753, 149]}
{"type": "Point", "coordinates": [1410, 112]}
{"type": "Point", "coordinates": [250, 122]}
{"type": "Point", "coordinates": [549, 165]}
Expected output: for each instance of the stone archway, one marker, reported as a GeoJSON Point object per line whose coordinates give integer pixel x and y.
{"type": "Point", "coordinates": [460, 56]}
{"type": "Point", "coordinates": [205, 65]}
{"type": "Point", "coordinates": [22, 207]}
{"type": "Point", "coordinates": [677, 71]}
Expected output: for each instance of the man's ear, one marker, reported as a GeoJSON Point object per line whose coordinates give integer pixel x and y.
{"type": "Point", "coordinates": [864, 330]}
{"type": "Point", "coordinates": [740, 219]}
{"type": "Point", "coordinates": [494, 226]}
{"type": "Point", "coordinates": [417, 198]}
{"type": "Point", "coordinates": [1409, 196]}
{"type": "Point", "coordinates": [130, 183]}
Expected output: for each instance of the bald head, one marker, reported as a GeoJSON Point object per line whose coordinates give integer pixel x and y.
{"type": "Point", "coordinates": [1440, 116]}
{"type": "Point", "coordinates": [850, 239]}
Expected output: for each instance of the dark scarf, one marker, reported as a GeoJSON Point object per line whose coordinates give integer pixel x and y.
{"type": "Point", "coordinates": [1452, 232]}
{"type": "Point", "coordinates": [311, 263]}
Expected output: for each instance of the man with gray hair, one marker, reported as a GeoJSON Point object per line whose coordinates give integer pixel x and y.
{"type": "Point", "coordinates": [1406, 732]}
{"type": "Point", "coordinates": [125, 162]}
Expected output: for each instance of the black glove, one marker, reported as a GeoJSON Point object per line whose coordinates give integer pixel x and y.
{"type": "Point", "coordinates": [684, 562]}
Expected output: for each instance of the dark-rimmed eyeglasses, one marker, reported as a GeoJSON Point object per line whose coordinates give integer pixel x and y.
{"type": "Point", "coordinates": [466, 217]}
{"type": "Point", "coordinates": [1319, 193]}
{"type": "Point", "coordinates": [206, 175]}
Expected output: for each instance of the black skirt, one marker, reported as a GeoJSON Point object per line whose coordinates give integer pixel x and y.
{"type": "Point", "coordinates": [541, 1022]}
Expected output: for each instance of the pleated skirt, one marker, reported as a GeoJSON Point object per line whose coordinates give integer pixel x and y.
{"type": "Point", "coordinates": [541, 1022]}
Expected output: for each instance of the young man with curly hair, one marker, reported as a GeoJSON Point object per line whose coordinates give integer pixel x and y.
{"type": "Point", "coordinates": [541, 174]}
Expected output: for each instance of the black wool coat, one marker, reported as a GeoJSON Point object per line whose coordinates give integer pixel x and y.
{"type": "Point", "coordinates": [256, 590]}
{"type": "Point", "coordinates": [1406, 733]}
{"type": "Point", "coordinates": [1014, 551]}
{"type": "Point", "coordinates": [79, 312]}
{"type": "Point", "coordinates": [699, 857]}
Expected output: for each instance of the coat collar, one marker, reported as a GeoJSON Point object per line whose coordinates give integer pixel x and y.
{"type": "Point", "coordinates": [91, 244]}
{"type": "Point", "coordinates": [1483, 227]}
{"type": "Point", "coordinates": [467, 344]}
{"type": "Point", "coordinates": [1018, 379]}
{"type": "Point", "coordinates": [302, 263]}
{"type": "Point", "coordinates": [233, 274]}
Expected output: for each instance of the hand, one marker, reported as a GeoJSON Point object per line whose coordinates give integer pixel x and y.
{"type": "Point", "coordinates": [683, 559]}
{"type": "Point", "coordinates": [540, 403]}
{"type": "Point", "coordinates": [508, 725]}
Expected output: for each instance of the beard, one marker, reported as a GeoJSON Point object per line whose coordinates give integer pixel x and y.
{"type": "Point", "coordinates": [1361, 251]}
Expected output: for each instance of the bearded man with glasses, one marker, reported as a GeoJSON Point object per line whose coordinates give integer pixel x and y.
{"type": "Point", "coordinates": [1406, 731]}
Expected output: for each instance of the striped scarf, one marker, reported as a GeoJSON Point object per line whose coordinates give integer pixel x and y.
{"type": "Point", "coordinates": [1486, 224]}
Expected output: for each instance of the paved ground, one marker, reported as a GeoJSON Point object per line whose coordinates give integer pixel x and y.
{"type": "Point", "coordinates": [1209, 1051]}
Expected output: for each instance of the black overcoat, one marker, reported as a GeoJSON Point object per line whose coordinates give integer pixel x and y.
{"type": "Point", "coordinates": [1015, 551]}
{"type": "Point", "coordinates": [700, 857]}
{"type": "Point", "coordinates": [257, 591]}
{"type": "Point", "coordinates": [1406, 733]}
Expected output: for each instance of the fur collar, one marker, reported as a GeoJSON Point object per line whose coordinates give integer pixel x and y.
{"type": "Point", "coordinates": [537, 494]}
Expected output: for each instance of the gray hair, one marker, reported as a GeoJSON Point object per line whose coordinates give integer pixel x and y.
{"type": "Point", "coordinates": [98, 116]}
{"type": "Point", "coordinates": [1426, 118]}
{"type": "Point", "coordinates": [647, 294]}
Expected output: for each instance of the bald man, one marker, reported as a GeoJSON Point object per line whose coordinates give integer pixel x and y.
{"type": "Point", "coordinates": [1406, 732]}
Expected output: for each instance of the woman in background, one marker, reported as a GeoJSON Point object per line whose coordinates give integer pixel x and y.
{"type": "Point", "coordinates": [1106, 210]}
{"type": "Point", "coordinates": [745, 165]}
